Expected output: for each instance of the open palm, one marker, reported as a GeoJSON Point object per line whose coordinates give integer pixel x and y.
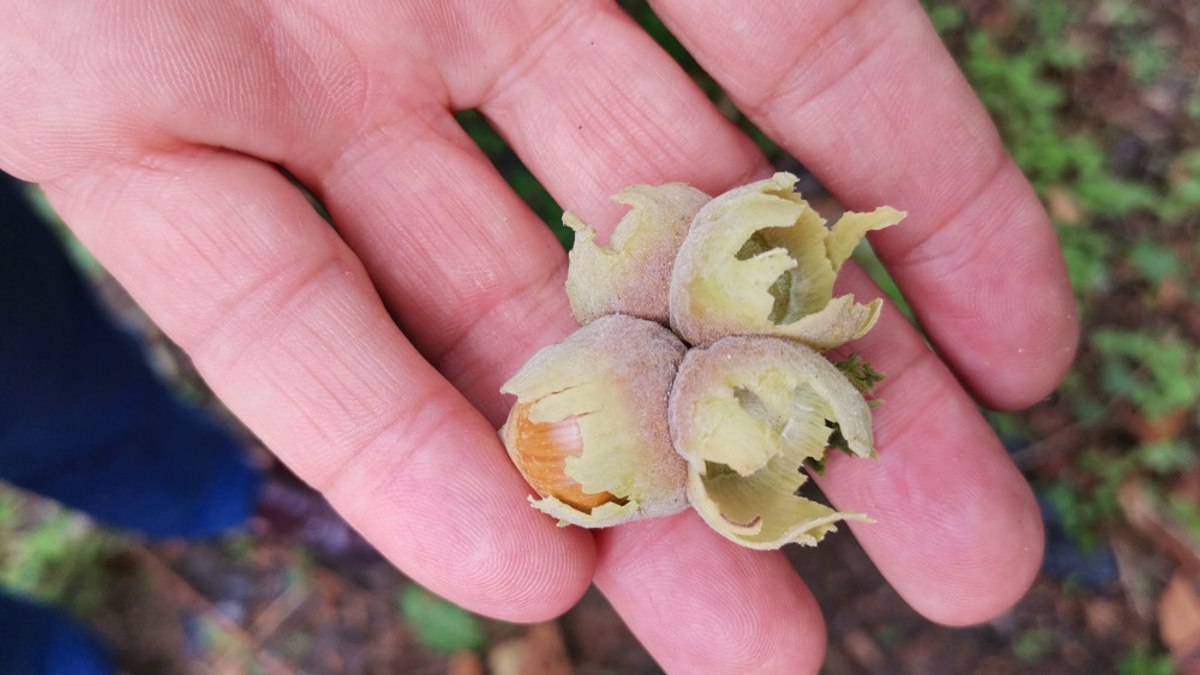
{"type": "Point", "coordinates": [369, 357]}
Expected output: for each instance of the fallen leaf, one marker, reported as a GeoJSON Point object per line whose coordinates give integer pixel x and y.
{"type": "Point", "coordinates": [1104, 617]}
{"type": "Point", "coordinates": [540, 651]}
{"type": "Point", "coordinates": [863, 649]}
{"type": "Point", "coordinates": [1179, 622]}
{"type": "Point", "coordinates": [1062, 206]}
{"type": "Point", "coordinates": [1164, 428]}
{"type": "Point", "coordinates": [465, 663]}
{"type": "Point", "coordinates": [1167, 536]}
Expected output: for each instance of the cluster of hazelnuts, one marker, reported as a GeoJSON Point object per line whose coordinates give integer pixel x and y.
{"type": "Point", "coordinates": [697, 377]}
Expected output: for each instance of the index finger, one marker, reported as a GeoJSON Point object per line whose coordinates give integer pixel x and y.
{"type": "Point", "coordinates": [282, 321]}
{"type": "Point", "coordinates": [865, 95]}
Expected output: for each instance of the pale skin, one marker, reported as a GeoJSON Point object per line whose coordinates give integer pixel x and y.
{"type": "Point", "coordinates": [370, 358]}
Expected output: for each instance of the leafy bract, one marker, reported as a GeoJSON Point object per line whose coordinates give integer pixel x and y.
{"type": "Point", "coordinates": [632, 274]}
{"type": "Point", "coordinates": [746, 414]}
{"type": "Point", "coordinates": [759, 260]}
{"type": "Point", "coordinates": [597, 402]}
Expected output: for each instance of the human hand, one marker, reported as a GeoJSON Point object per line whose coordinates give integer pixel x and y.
{"type": "Point", "coordinates": [369, 359]}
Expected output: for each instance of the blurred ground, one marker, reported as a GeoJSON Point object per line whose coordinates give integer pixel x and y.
{"type": "Point", "coordinates": [1099, 101]}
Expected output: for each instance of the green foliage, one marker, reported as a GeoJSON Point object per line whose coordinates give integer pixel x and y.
{"type": "Point", "coordinates": [836, 441]}
{"type": "Point", "coordinates": [1141, 660]}
{"type": "Point", "coordinates": [1019, 81]}
{"type": "Point", "coordinates": [213, 637]}
{"type": "Point", "coordinates": [1034, 645]}
{"type": "Point", "coordinates": [1023, 103]}
{"type": "Point", "coordinates": [1101, 194]}
{"type": "Point", "coordinates": [1083, 512]}
{"type": "Point", "coordinates": [889, 636]}
{"type": "Point", "coordinates": [529, 189]}
{"type": "Point", "coordinates": [10, 514]}
{"type": "Point", "coordinates": [1183, 196]}
{"type": "Point", "coordinates": [439, 625]}
{"type": "Point", "coordinates": [1007, 426]}
{"type": "Point", "coordinates": [482, 134]}
{"type": "Point", "coordinates": [1166, 457]}
{"type": "Point", "coordinates": [1133, 26]}
{"type": "Point", "coordinates": [1147, 61]}
{"type": "Point", "coordinates": [1026, 106]}
{"type": "Point", "coordinates": [1157, 373]}
{"type": "Point", "coordinates": [946, 18]}
{"type": "Point", "coordinates": [57, 559]}
{"type": "Point", "coordinates": [1123, 13]}
{"type": "Point", "coordinates": [1191, 105]}
{"type": "Point", "coordinates": [1051, 20]}
{"type": "Point", "coordinates": [861, 374]}
{"type": "Point", "coordinates": [1184, 511]}
{"type": "Point", "coordinates": [1088, 254]}
{"type": "Point", "coordinates": [1156, 262]}
{"type": "Point", "coordinates": [1044, 26]}
{"type": "Point", "coordinates": [1086, 505]}
{"type": "Point", "coordinates": [239, 546]}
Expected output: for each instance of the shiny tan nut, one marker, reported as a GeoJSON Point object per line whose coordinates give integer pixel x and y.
{"type": "Point", "coordinates": [589, 428]}
{"type": "Point", "coordinates": [541, 454]}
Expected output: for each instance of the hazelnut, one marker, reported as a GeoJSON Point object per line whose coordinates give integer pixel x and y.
{"type": "Point", "coordinates": [615, 423]}
{"type": "Point", "coordinates": [589, 429]}
{"type": "Point", "coordinates": [632, 274]}
{"type": "Point", "coordinates": [759, 260]}
{"type": "Point", "coordinates": [747, 413]}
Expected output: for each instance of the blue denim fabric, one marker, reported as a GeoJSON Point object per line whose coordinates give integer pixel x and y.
{"type": "Point", "coordinates": [39, 641]}
{"type": "Point", "coordinates": [83, 420]}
